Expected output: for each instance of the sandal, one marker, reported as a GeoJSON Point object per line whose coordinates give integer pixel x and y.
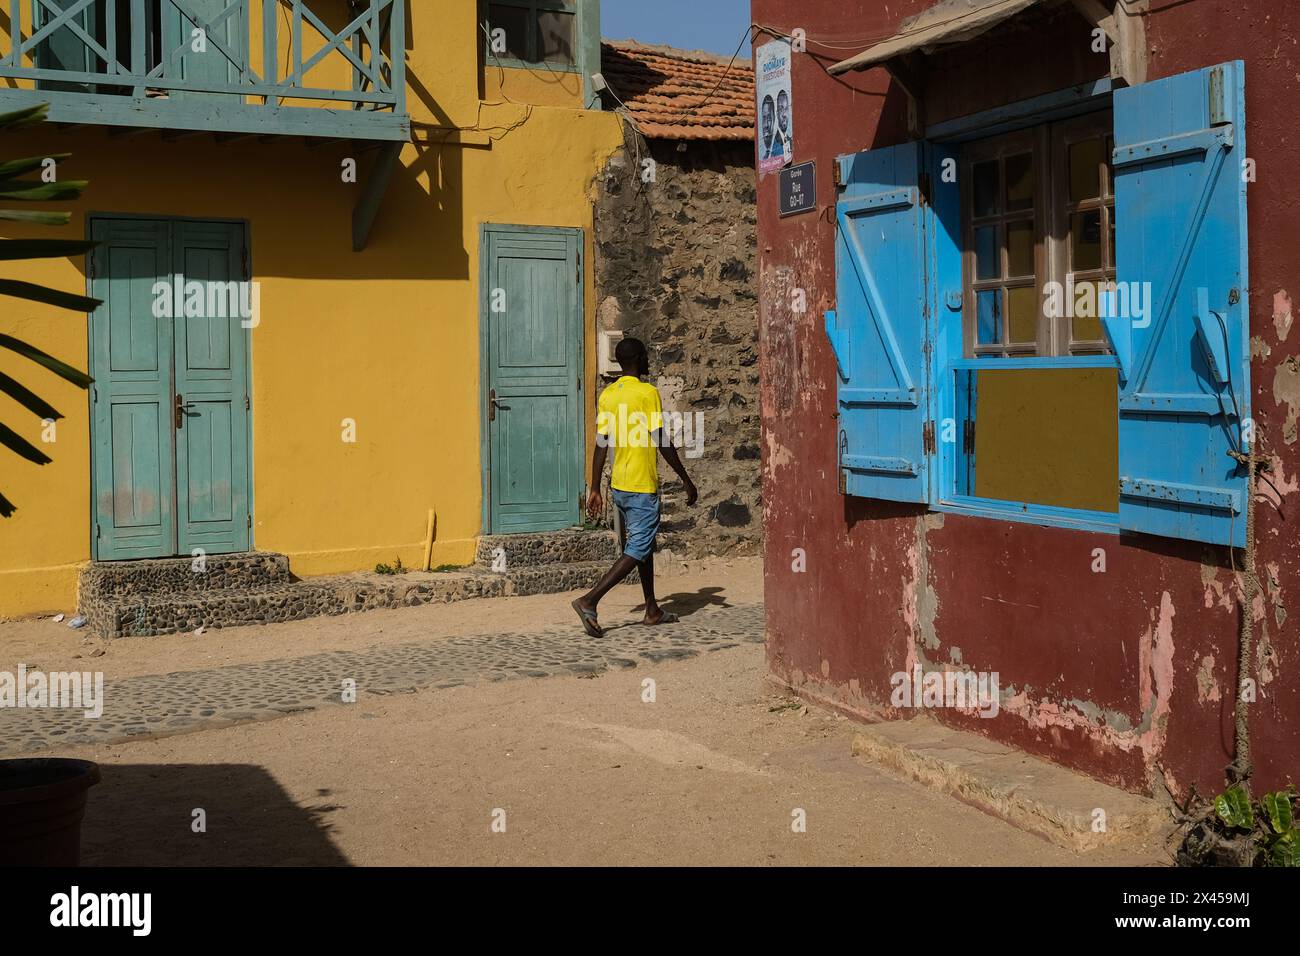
{"type": "Point", "coordinates": [589, 622]}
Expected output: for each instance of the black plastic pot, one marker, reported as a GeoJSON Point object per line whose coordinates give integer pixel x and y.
{"type": "Point", "coordinates": [42, 801]}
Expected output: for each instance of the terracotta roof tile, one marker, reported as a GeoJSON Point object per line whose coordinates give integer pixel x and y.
{"type": "Point", "coordinates": [666, 91]}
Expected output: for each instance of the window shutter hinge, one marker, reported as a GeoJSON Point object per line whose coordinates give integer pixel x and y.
{"type": "Point", "coordinates": [840, 483]}
{"type": "Point", "coordinates": [839, 173]}
{"type": "Point", "coordinates": [927, 437]}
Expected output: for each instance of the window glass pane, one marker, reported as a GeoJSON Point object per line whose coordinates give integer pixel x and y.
{"type": "Point", "coordinates": [986, 253]}
{"type": "Point", "coordinates": [1020, 182]}
{"type": "Point", "coordinates": [1022, 314]}
{"type": "Point", "coordinates": [1020, 248]}
{"type": "Point", "coordinates": [514, 21]}
{"type": "Point", "coordinates": [1047, 436]}
{"type": "Point", "coordinates": [1085, 329]}
{"type": "Point", "coordinates": [1085, 170]}
{"type": "Point", "coordinates": [555, 37]}
{"type": "Point", "coordinates": [986, 188]}
{"type": "Point", "coordinates": [989, 319]}
{"type": "Point", "coordinates": [1085, 240]}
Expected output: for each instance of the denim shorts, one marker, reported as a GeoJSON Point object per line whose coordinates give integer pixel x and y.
{"type": "Point", "coordinates": [639, 512]}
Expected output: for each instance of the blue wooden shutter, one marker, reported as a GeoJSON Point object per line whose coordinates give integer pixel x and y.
{"type": "Point", "coordinates": [1180, 211]}
{"type": "Point", "coordinates": [878, 330]}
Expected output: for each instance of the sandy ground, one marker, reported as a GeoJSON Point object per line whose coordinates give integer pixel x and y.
{"type": "Point", "coordinates": [580, 770]}
{"type": "Point", "coordinates": [585, 771]}
{"type": "Point", "coordinates": [43, 644]}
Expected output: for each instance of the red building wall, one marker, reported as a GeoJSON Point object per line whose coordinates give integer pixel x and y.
{"type": "Point", "coordinates": [1126, 675]}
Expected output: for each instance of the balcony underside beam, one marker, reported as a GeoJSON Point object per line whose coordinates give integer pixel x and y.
{"type": "Point", "coordinates": [199, 115]}
{"type": "Point", "coordinates": [372, 194]}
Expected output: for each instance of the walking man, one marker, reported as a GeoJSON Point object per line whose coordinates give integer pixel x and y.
{"type": "Point", "coordinates": [631, 419]}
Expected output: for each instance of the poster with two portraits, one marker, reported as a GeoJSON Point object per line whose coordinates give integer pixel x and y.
{"type": "Point", "coordinates": [774, 107]}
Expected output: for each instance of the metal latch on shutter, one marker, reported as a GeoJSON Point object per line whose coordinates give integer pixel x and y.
{"type": "Point", "coordinates": [839, 462]}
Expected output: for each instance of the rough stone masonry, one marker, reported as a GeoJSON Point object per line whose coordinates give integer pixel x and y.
{"type": "Point", "coordinates": [674, 267]}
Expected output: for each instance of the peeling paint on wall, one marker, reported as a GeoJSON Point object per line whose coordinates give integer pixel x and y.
{"type": "Point", "coordinates": [1281, 314]}
{"type": "Point", "coordinates": [1216, 592]}
{"type": "Point", "coordinates": [1286, 391]}
{"type": "Point", "coordinates": [1273, 586]}
{"type": "Point", "coordinates": [1207, 688]}
{"type": "Point", "coordinates": [1265, 659]}
{"type": "Point", "coordinates": [1110, 728]}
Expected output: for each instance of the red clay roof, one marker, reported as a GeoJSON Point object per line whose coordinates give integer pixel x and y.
{"type": "Point", "coordinates": [667, 91]}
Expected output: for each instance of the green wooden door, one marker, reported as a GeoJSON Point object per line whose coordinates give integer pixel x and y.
{"type": "Point", "coordinates": [532, 317]}
{"type": "Point", "coordinates": [212, 437]}
{"type": "Point", "coordinates": [169, 433]}
{"type": "Point", "coordinates": [131, 361]}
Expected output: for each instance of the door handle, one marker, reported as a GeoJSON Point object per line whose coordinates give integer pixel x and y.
{"type": "Point", "coordinates": [493, 405]}
{"type": "Point", "coordinates": [181, 407]}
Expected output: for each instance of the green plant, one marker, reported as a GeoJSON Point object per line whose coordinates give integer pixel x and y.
{"type": "Point", "coordinates": [1236, 831]}
{"type": "Point", "coordinates": [394, 568]}
{"type": "Point", "coordinates": [17, 189]}
{"type": "Point", "coordinates": [450, 567]}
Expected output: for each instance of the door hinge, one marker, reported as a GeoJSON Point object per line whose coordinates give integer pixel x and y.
{"type": "Point", "coordinates": [248, 264]}
{"type": "Point", "coordinates": [249, 522]}
{"type": "Point", "coordinates": [580, 381]}
{"type": "Point", "coordinates": [968, 436]}
{"type": "Point", "coordinates": [247, 406]}
{"type": "Point", "coordinates": [99, 532]}
{"type": "Point", "coordinates": [925, 189]}
{"type": "Point", "coordinates": [90, 266]}
{"type": "Point", "coordinates": [837, 173]}
{"type": "Point", "coordinates": [927, 437]}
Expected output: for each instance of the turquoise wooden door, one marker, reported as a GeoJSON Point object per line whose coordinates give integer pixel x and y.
{"type": "Point", "coordinates": [211, 398]}
{"type": "Point", "coordinates": [532, 317]}
{"type": "Point", "coordinates": [169, 434]}
{"type": "Point", "coordinates": [131, 361]}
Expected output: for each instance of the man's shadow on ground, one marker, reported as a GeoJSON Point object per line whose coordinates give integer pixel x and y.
{"type": "Point", "coordinates": [682, 603]}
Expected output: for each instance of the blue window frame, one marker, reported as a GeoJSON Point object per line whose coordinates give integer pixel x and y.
{"type": "Point", "coordinates": [1181, 369]}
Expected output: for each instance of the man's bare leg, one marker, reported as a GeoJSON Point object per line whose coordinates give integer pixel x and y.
{"type": "Point", "coordinates": [621, 569]}
{"type": "Point", "coordinates": [653, 613]}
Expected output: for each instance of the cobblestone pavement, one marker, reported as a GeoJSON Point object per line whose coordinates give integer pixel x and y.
{"type": "Point", "coordinates": [158, 705]}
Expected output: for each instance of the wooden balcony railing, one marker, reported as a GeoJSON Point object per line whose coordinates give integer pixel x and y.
{"type": "Point", "coordinates": [212, 64]}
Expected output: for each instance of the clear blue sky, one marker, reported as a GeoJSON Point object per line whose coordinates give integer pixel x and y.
{"type": "Point", "coordinates": [713, 25]}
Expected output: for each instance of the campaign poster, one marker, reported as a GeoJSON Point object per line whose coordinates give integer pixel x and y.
{"type": "Point", "coordinates": [774, 109]}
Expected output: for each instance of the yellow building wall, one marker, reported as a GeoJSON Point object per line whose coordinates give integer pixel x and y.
{"type": "Point", "coordinates": [388, 337]}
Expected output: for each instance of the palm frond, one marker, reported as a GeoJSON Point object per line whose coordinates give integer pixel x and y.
{"type": "Point", "coordinates": [43, 248]}
{"type": "Point", "coordinates": [45, 360]}
{"type": "Point", "coordinates": [39, 293]}
{"type": "Point", "coordinates": [16, 167]}
{"type": "Point", "coordinates": [28, 399]}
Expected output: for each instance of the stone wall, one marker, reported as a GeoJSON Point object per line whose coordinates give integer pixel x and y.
{"type": "Point", "coordinates": [675, 266]}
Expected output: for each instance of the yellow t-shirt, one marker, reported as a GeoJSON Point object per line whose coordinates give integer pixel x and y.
{"type": "Point", "coordinates": [629, 412]}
